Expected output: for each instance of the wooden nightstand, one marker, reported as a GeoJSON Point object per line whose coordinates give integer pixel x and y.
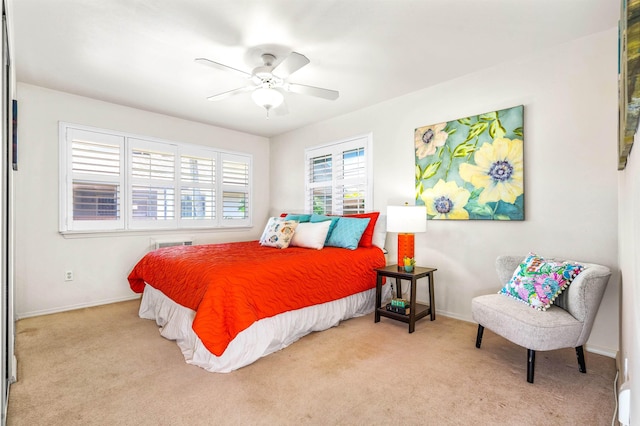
{"type": "Point", "coordinates": [417, 310]}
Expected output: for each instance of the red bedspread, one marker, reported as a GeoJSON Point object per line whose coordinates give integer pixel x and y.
{"type": "Point", "coordinates": [230, 286]}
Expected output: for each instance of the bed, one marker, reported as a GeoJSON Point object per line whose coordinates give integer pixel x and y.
{"type": "Point", "coordinates": [227, 305]}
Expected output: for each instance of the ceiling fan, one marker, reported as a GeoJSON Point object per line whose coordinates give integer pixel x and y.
{"type": "Point", "coordinates": [269, 81]}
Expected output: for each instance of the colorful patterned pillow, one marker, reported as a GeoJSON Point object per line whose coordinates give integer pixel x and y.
{"type": "Point", "coordinates": [537, 281]}
{"type": "Point", "coordinates": [278, 232]}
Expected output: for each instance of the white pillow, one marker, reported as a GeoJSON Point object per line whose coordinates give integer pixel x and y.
{"type": "Point", "coordinates": [380, 233]}
{"type": "Point", "coordinates": [311, 235]}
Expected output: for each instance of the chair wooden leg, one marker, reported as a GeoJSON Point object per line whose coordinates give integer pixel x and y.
{"type": "Point", "coordinates": [580, 355]}
{"type": "Point", "coordinates": [479, 336]}
{"type": "Point", "coordinates": [531, 362]}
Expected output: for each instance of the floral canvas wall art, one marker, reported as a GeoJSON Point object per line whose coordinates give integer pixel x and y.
{"type": "Point", "coordinates": [473, 167]}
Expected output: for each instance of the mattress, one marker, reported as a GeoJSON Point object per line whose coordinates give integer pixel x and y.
{"type": "Point", "coordinates": [262, 338]}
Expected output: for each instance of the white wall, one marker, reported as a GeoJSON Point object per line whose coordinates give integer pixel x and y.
{"type": "Point", "coordinates": [629, 246]}
{"type": "Point", "coordinates": [100, 263]}
{"type": "Point", "coordinates": [569, 95]}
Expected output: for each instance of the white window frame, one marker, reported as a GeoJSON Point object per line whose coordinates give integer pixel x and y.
{"type": "Point", "coordinates": [335, 150]}
{"type": "Point", "coordinates": [125, 222]}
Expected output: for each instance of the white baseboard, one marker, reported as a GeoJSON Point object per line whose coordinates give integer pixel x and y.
{"type": "Point", "coordinates": [611, 353]}
{"type": "Point", "coordinates": [74, 307]}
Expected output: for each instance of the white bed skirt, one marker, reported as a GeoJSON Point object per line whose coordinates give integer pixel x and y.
{"type": "Point", "coordinates": [261, 338]}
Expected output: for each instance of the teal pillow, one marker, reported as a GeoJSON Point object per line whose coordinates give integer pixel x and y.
{"type": "Point", "coordinates": [322, 218]}
{"type": "Point", "coordinates": [299, 217]}
{"type": "Point", "coordinates": [347, 232]}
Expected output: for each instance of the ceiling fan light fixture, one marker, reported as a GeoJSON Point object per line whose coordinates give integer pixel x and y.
{"type": "Point", "coordinates": [267, 98]}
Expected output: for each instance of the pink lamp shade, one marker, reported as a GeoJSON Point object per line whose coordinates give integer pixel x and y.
{"type": "Point", "coordinates": [406, 221]}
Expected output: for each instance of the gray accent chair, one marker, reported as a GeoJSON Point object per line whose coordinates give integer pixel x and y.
{"type": "Point", "coordinates": [566, 324]}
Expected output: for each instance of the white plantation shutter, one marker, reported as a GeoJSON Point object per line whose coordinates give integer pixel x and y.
{"type": "Point", "coordinates": [93, 179]}
{"type": "Point", "coordinates": [351, 180]}
{"type": "Point", "coordinates": [114, 181]}
{"type": "Point", "coordinates": [197, 188]}
{"type": "Point", "coordinates": [338, 177]}
{"type": "Point", "coordinates": [152, 177]}
{"type": "Point", "coordinates": [319, 172]}
{"type": "Point", "coordinates": [236, 178]}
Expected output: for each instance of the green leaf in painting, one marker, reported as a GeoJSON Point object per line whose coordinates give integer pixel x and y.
{"type": "Point", "coordinates": [479, 209]}
{"type": "Point", "coordinates": [463, 150]}
{"type": "Point", "coordinates": [431, 170]}
{"type": "Point", "coordinates": [475, 193]}
{"type": "Point", "coordinates": [476, 129]}
{"type": "Point", "coordinates": [465, 121]}
{"type": "Point", "coordinates": [489, 116]}
{"type": "Point", "coordinates": [418, 172]}
{"type": "Point", "coordinates": [518, 131]}
{"type": "Point", "coordinates": [452, 131]}
{"type": "Point", "coordinates": [501, 217]}
{"type": "Point", "coordinates": [419, 190]}
{"type": "Point", "coordinates": [496, 130]}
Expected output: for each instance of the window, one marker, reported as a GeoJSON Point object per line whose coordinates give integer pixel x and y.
{"type": "Point", "coordinates": [338, 177]}
{"type": "Point", "coordinates": [113, 181]}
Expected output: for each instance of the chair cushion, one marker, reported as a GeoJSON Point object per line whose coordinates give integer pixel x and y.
{"type": "Point", "coordinates": [530, 328]}
{"type": "Point", "coordinates": [538, 281]}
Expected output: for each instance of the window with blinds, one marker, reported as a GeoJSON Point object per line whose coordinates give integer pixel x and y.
{"type": "Point", "coordinates": [94, 181]}
{"type": "Point", "coordinates": [197, 187]}
{"type": "Point", "coordinates": [235, 188]}
{"type": "Point", "coordinates": [112, 181]}
{"type": "Point", "coordinates": [338, 177]}
{"type": "Point", "coordinates": [152, 174]}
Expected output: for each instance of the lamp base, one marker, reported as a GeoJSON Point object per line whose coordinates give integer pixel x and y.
{"type": "Point", "coordinates": [405, 247]}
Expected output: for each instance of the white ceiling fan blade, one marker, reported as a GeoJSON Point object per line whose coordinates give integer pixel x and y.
{"type": "Point", "coordinates": [225, 95]}
{"type": "Point", "coordinates": [216, 65]}
{"type": "Point", "coordinates": [290, 64]}
{"type": "Point", "coordinates": [318, 92]}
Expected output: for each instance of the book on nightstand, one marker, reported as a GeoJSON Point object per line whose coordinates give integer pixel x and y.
{"type": "Point", "coordinates": [403, 310]}
{"type": "Point", "coordinates": [402, 303]}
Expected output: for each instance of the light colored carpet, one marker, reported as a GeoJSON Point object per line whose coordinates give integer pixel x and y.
{"type": "Point", "coordinates": [104, 365]}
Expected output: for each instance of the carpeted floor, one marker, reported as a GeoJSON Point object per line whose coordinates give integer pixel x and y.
{"type": "Point", "coordinates": [104, 365]}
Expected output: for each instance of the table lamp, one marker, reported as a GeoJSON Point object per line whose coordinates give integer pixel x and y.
{"type": "Point", "coordinates": [406, 221]}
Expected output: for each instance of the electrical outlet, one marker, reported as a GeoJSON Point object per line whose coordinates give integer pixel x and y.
{"type": "Point", "coordinates": [68, 276]}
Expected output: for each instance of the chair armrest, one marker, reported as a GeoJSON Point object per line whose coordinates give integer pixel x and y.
{"type": "Point", "coordinates": [585, 293]}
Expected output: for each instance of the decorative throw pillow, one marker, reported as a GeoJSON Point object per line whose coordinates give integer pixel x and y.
{"type": "Point", "coordinates": [367, 235]}
{"type": "Point", "coordinates": [322, 218]}
{"type": "Point", "coordinates": [311, 235]}
{"type": "Point", "coordinates": [380, 233]}
{"type": "Point", "coordinates": [278, 232]}
{"type": "Point", "coordinates": [537, 281]}
{"type": "Point", "coordinates": [299, 217]}
{"type": "Point", "coordinates": [347, 232]}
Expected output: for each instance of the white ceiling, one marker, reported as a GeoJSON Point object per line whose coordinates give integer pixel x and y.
{"type": "Point", "coordinates": [140, 53]}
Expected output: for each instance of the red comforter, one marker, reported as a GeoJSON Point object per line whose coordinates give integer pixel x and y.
{"type": "Point", "coordinates": [230, 286]}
